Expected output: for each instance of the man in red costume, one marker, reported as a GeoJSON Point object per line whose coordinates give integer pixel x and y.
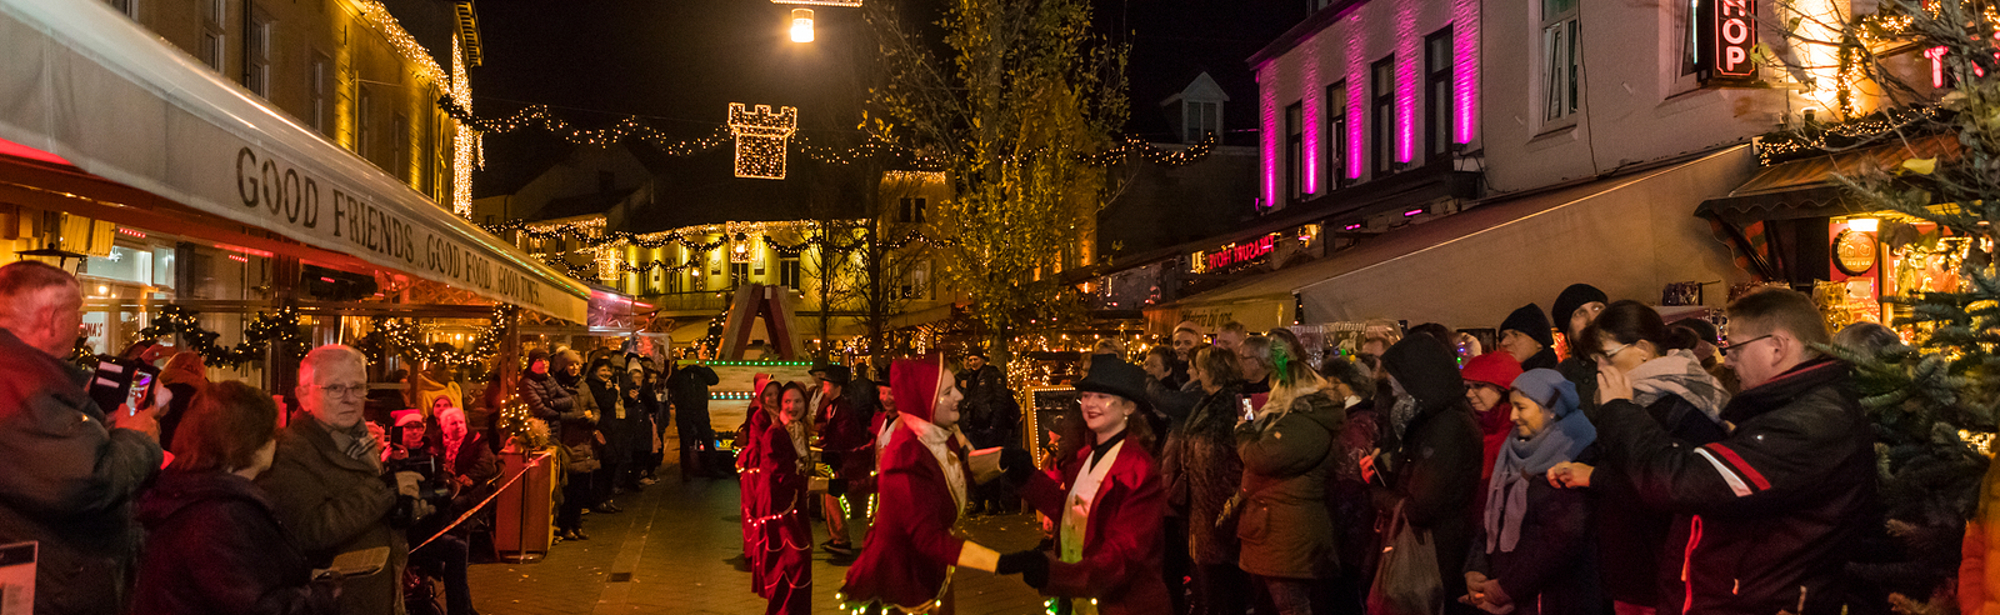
{"type": "Point", "coordinates": [907, 561]}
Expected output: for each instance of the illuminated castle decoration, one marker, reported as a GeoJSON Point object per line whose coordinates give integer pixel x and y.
{"type": "Point", "coordinates": [845, 3]}
{"type": "Point", "coordinates": [761, 137]}
{"type": "Point", "coordinates": [772, 304]}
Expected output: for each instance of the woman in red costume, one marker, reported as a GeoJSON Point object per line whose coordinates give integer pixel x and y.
{"type": "Point", "coordinates": [784, 534]}
{"type": "Point", "coordinates": [907, 562]}
{"type": "Point", "coordinates": [751, 490]}
{"type": "Point", "coordinates": [1108, 498]}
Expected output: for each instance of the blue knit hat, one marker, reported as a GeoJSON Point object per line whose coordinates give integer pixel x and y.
{"type": "Point", "coordinates": [1549, 388]}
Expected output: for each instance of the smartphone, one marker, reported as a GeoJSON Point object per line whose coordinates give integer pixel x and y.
{"type": "Point", "coordinates": [142, 388]}
{"type": "Point", "coordinates": [1249, 412]}
{"type": "Point", "coordinates": [111, 383]}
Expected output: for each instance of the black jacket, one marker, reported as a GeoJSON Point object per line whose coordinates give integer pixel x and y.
{"type": "Point", "coordinates": [215, 546]}
{"type": "Point", "coordinates": [546, 399]}
{"type": "Point", "coordinates": [1434, 469]}
{"type": "Point", "coordinates": [688, 388]}
{"type": "Point", "coordinates": [1552, 571]}
{"type": "Point", "coordinates": [1767, 516]}
{"type": "Point", "coordinates": [989, 414]}
{"type": "Point", "coordinates": [1625, 526]}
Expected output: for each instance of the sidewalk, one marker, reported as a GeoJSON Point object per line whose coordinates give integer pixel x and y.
{"type": "Point", "coordinates": [669, 551]}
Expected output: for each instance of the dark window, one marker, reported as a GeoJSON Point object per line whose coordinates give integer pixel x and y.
{"type": "Point", "coordinates": [320, 92]}
{"type": "Point", "coordinates": [1336, 134]}
{"type": "Point", "coordinates": [1439, 111]}
{"type": "Point", "coordinates": [399, 146]}
{"type": "Point", "coordinates": [788, 272]}
{"type": "Point", "coordinates": [911, 210]}
{"type": "Point", "coordinates": [739, 274]}
{"type": "Point", "coordinates": [1202, 119]}
{"type": "Point", "coordinates": [1295, 152]}
{"type": "Point", "coordinates": [1382, 115]}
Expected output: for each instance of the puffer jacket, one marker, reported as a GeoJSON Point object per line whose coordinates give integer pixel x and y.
{"type": "Point", "coordinates": [1766, 518]}
{"type": "Point", "coordinates": [247, 562]}
{"type": "Point", "coordinates": [1201, 469]}
{"type": "Point", "coordinates": [546, 399]}
{"type": "Point", "coordinates": [1284, 525]}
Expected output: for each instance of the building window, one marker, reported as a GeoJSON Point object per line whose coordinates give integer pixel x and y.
{"type": "Point", "coordinates": [916, 282]}
{"type": "Point", "coordinates": [911, 210]}
{"type": "Point", "coordinates": [1561, 59]}
{"type": "Point", "coordinates": [364, 122]}
{"type": "Point", "coordinates": [1439, 114]}
{"type": "Point", "coordinates": [399, 135]}
{"type": "Point", "coordinates": [319, 91]}
{"type": "Point", "coordinates": [1382, 115]}
{"type": "Point", "coordinates": [1295, 152]}
{"type": "Point", "coordinates": [1336, 134]}
{"type": "Point", "coordinates": [214, 46]}
{"type": "Point", "coordinates": [129, 7]}
{"type": "Point", "coordinates": [1203, 119]}
{"type": "Point", "coordinates": [788, 272]}
{"type": "Point", "coordinates": [739, 274]}
{"type": "Point", "coordinates": [257, 56]}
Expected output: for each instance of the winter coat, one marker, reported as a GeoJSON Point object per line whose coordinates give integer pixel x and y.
{"type": "Point", "coordinates": [844, 441]}
{"type": "Point", "coordinates": [1582, 372]}
{"type": "Point", "coordinates": [1123, 542]}
{"type": "Point", "coordinates": [1546, 359]}
{"type": "Point", "coordinates": [546, 399]}
{"type": "Point", "coordinates": [475, 461]}
{"type": "Point", "coordinates": [1284, 524]}
{"type": "Point", "coordinates": [688, 388]}
{"type": "Point", "coordinates": [606, 403]}
{"type": "Point", "coordinates": [1434, 467]}
{"type": "Point", "coordinates": [906, 560]}
{"type": "Point", "coordinates": [214, 545]}
{"type": "Point", "coordinates": [1769, 513]}
{"type": "Point", "coordinates": [784, 525]}
{"type": "Point", "coordinates": [1552, 571]}
{"type": "Point", "coordinates": [1625, 525]}
{"type": "Point", "coordinates": [990, 415]}
{"type": "Point", "coordinates": [1202, 470]}
{"type": "Point", "coordinates": [1347, 492]}
{"type": "Point", "coordinates": [332, 504]}
{"type": "Point", "coordinates": [68, 480]}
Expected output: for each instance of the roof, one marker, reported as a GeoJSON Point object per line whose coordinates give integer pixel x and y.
{"type": "Point", "coordinates": [580, 205]}
{"type": "Point", "coordinates": [1808, 188]}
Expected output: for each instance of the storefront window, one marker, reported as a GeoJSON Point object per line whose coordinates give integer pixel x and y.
{"type": "Point", "coordinates": [123, 264]}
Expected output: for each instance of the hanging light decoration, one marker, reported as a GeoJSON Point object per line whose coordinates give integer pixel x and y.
{"type": "Point", "coordinates": [802, 25]}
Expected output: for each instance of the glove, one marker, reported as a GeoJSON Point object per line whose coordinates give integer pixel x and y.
{"type": "Point", "coordinates": [1033, 567]}
{"type": "Point", "coordinates": [1017, 464]}
{"type": "Point", "coordinates": [408, 483]}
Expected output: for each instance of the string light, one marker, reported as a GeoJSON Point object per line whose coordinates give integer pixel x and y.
{"type": "Point", "coordinates": [1791, 144]}
{"type": "Point", "coordinates": [280, 327]}
{"type": "Point", "coordinates": [462, 144]}
{"type": "Point", "coordinates": [378, 17]}
{"type": "Point", "coordinates": [761, 137]}
{"type": "Point", "coordinates": [405, 336]}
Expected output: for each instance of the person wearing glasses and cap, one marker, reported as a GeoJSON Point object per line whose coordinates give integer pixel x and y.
{"type": "Point", "coordinates": [1105, 490]}
{"type": "Point", "coordinates": [908, 559]}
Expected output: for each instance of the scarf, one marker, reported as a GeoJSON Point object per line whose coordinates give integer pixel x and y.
{"type": "Point", "coordinates": [1524, 460]}
{"type": "Point", "coordinates": [1678, 374]}
{"type": "Point", "coordinates": [356, 442]}
{"type": "Point", "coordinates": [945, 445]}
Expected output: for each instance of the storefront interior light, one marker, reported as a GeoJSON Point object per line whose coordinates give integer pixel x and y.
{"type": "Point", "coordinates": [1864, 225]}
{"type": "Point", "coordinates": [802, 25]}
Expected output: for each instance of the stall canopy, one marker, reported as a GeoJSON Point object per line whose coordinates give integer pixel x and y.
{"type": "Point", "coordinates": [1629, 235]}
{"type": "Point", "coordinates": [1808, 188]}
{"type": "Point", "coordinates": [92, 88]}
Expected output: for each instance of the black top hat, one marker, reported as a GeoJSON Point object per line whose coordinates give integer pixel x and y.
{"type": "Point", "coordinates": [1113, 376]}
{"type": "Point", "coordinates": [975, 351]}
{"type": "Point", "coordinates": [837, 374]}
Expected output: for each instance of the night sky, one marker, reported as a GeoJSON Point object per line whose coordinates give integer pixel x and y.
{"type": "Point", "coordinates": [678, 63]}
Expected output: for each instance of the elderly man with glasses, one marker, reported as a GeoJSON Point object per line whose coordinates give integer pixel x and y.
{"type": "Point", "coordinates": [326, 482]}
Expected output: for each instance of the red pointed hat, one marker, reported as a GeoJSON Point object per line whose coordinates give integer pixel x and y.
{"type": "Point", "coordinates": [915, 383]}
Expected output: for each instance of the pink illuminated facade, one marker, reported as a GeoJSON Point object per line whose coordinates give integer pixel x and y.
{"type": "Point", "coordinates": [1364, 90]}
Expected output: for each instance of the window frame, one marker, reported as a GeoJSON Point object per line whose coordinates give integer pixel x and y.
{"type": "Point", "coordinates": [319, 74]}
{"type": "Point", "coordinates": [364, 125]}
{"type": "Point", "coordinates": [1334, 103]}
{"type": "Point", "coordinates": [1382, 116]}
{"type": "Point", "coordinates": [1295, 152]}
{"type": "Point", "coordinates": [258, 54]}
{"type": "Point", "coordinates": [1559, 96]}
{"type": "Point", "coordinates": [1440, 114]}
{"type": "Point", "coordinates": [214, 38]}
{"type": "Point", "coordinates": [789, 272]}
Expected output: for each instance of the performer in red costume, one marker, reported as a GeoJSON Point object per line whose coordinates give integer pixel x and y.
{"type": "Point", "coordinates": [751, 490]}
{"type": "Point", "coordinates": [908, 559]}
{"type": "Point", "coordinates": [1108, 498]}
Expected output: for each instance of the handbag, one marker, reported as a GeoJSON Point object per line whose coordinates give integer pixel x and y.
{"type": "Point", "coordinates": [1406, 578]}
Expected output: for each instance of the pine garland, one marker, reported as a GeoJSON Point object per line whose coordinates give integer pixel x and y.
{"type": "Point", "coordinates": [281, 327]}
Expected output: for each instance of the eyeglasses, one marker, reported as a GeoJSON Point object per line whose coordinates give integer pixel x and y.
{"type": "Point", "coordinates": [1614, 352]}
{"type": "Point", "coordinates": [1727, 345]}
{"type": "Point", "coordinates": [342, 390]}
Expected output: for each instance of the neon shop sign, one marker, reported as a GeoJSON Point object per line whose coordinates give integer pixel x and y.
{"type": "Point", "coordinates": [1241, 253]}
{"type": "Point", "coordinates": [1729, 29]}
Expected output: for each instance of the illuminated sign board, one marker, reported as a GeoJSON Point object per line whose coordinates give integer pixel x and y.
{"type": "Point", "coordinates": [1729, 27]}
{"type": "Point", "coordinates": [1237, 254]}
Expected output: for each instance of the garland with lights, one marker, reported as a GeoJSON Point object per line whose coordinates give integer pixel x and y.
{"type": "Point", "coordinates": [1818, 139]}
{"type": "Point", "coordinates": [281, 328]}
{"type": "Point", "coordinates": [516, 421]}
{"type": "Point", "coordinates": [410, 345]}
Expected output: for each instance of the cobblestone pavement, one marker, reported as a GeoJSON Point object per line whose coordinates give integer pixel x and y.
{"type": "Point", "coordinates": [670, 550]}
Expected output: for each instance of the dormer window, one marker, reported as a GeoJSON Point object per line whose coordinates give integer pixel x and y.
{"type": "Point", "coordinates": [1201, 120]}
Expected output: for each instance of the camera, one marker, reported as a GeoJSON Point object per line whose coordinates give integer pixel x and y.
{"type": "Point", "coordinates": [435, 488]}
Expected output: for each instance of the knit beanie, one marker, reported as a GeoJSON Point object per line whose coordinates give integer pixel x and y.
{"type": "Point", "coordinates": [1572, 298]}
{"type": "Point", "coordinates": [1530, 321]}
{"type": "Point", "coordinates": [1496, 369]}
{"type": "Point", "coordinates": [1549, 388]}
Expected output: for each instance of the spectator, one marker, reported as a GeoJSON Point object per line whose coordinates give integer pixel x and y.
{"type": "Point", "coordinates": [183, 376]}
{"type": "Point", "coordinates": [1287, 533]}
{"type": "Point", "coordinates": [1187, 336]}
{"type": "Point", "coordinates": [1347, 490]}
{"type": "Point", "coordinates": [1768, 515]}
{"type": "Point", "coordinates": [1254, 354]}
{"type": "Point", "coordinates": [326, 480]}
{"type": "Point", "coordinates": [1488, 377]}
{"type": "Point", "coordinates": [1431, 459]}
{"type": "Point", "coordinates": [1109, 501]}
{"type": "Point", "coordinates": [68, 478]}
{"type": "Point", "coordinates": [604, 410]}
{"type": "Point", "coordinates": [1532, 547]}
{"type": "Point", "coordinates": [1528, 337]}
{"type": "Point", "coordinates": [1159, 365]}
{"type": "Point", "coordinates": [438, 381]}
{"type": "Point", "coordinates": [214, 543]}
{"type": "Point", "coordinates": [989, 417]}
{"type": "Point", "coordinates": [688, 386]}
{"type": "Point", "coordinates": [846, 447]}
{"type": "Point", "coordinates": [1231, 335]}
{"type": "Point", "coordinates": [1866, 338]}
{"type": "Point", "coordinates": [864, 394]}
{"type": "Point", "coordinates": [643, 403]}
{"type": "Point", "coordinates": [474, 468]}
{"type": "Point", "coordinates": [447, 554]}
{"type": "Point", "coordinates": [1202, 470]}
{"type": "Point", "coordinates": [567, 367]}
{"type": "Point", "coordinates": [1576, 308]}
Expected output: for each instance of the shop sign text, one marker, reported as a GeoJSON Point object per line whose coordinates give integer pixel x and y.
{"type": "Point", "coordinates": [1242, 253]}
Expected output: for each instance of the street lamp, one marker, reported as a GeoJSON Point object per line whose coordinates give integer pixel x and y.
{"type": "Point", "coordinates": [802, 25]}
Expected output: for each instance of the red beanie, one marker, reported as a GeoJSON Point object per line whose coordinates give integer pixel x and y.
{"type": "Point", "coordinates": [915, 384]}
{"type": "Point", "coordinates": [1498, 369]}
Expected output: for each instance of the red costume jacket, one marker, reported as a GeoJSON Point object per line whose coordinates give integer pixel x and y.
{"type": "Point", "coordinates": [1122, 548]}
{"type": "Point", "coordinates": [782, 526]}
{"type": "Point", "coordinates": [907, 557]}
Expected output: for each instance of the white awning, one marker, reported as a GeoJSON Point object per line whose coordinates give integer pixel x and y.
{"type": "Point", "coordinates": [1629, 235]}
{"type": "Point", "coordinates": [87, 84]}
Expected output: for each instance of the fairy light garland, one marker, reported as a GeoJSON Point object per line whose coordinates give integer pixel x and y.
{"type": "Point", "coordinates": [1791, 144]}
{"type": "Point", "coordinates": [378, 17]}
{"type": "Point", "coordinates": [280, 327]}
{"type": "Point", "coordinates": [410, 345]}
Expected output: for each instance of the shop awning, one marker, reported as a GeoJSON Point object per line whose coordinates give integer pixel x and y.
{"type": "Point", "coordinates": [89, 86]}
{"type": "Point", "coordinates": [1629, 235]}
{"type": "Point", "coordinates": [1808, 189]}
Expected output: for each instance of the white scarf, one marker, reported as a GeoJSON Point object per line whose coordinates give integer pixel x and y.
{"type": "Point", "coordinates": [936, 440]}
{"type": "Point", "coordinates": [1082, 499]}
